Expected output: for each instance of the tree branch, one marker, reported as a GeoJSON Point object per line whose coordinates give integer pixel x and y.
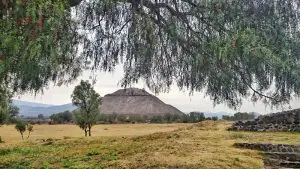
{"type": "Point", "coordinates": [73, 3]}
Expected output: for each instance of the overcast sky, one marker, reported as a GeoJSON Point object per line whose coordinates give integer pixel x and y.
{"type": "Point", "coordinates": [108, 83]}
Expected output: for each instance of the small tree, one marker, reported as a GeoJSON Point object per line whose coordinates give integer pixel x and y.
{"type": "Point", "coordinates": [215, 118]}
{"type": "Point", "coordinates": [88, 101]}
{"type": "Point", "coordinates": [21, 127]}
{"type": "Point", "coordinates": [41, 116]}
{"type": "Point", "coordinates": [196, 117]}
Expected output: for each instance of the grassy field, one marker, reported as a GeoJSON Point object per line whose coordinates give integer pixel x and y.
{"type": "Point", "coordinates": [205, 146]}
{"type": "Point", "coordinates": [11, 136]}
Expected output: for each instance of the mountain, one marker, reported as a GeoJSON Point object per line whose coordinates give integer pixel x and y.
{"type": "Point", "coordinates": [31, 109]}
{"type": "Point", "coordinates": [134, 101]}
{"type": "Point", "coordinates": [31, 104]}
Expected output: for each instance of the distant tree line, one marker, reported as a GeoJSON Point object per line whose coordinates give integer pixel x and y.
{"type": "Point", "coordinates": [239, 116]}
{"type": "Point", "coordinates": [62, 118]}
{"type": "Point", "coordinates": [192, 117]}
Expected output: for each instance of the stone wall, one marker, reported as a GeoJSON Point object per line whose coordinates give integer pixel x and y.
{"type": "Point", "coordinates": [283, 148]}
{"type": "Point", "coordinates": [283, 121]}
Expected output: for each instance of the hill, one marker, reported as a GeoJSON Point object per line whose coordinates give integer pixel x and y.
{"type": "Point", "coordinates": [133, 101]}
{"type": "Point", "coordinates": [31, 109]}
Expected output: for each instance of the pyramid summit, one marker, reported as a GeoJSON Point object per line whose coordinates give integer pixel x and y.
{"type": "Point", "coordinates": [130, 92]}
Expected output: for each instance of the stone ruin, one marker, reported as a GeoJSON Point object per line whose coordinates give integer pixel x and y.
{"type": "Point", "coordinates": [276, 156]}
{"type": "Point", "coordinates": [283, 121]}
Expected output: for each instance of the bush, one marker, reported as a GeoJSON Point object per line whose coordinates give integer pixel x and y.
{"type": "Point", "coordinates": [21, 127]}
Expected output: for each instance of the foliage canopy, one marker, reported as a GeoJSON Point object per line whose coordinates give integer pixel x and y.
{"type": "Point", "coordinates": [38, 44]}
{"type": "Point", "coordinates": [229, 49]}
{"type": "Point", "coordinates": [5, 105]}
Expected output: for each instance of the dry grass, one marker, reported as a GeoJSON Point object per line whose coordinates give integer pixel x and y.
{"type": "Point", "coordinates": [205, 146]}
{"type": "Point", "coordinates": [11, 136]}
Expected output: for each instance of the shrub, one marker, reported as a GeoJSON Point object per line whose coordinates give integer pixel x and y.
{"type": "Point", "coordinates": [21, 127]}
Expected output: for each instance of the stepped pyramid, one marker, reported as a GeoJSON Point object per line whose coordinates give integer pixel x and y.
{"type": "Point", "coordinates": [134, 101]}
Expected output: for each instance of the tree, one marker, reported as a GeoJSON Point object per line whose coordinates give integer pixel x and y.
{"type": "Point", "coordinates": [215, 118]}
{"type": "Point", "coordinates": [227, 117]}
{"type": "Point", "coordinates": [3, 117]}
{"type": "Point", "coordinates": [185, 118]}
{"type": "Point", "coordinates": [37, 44]}
{"type": "Point", "coordinates": [88, 102]}
{"type": "Point", "coordinates": [62, 117]}
{"type": "Point", "coordinates": [240, 116]}
{"type": "Point", "coordinates": [156, 119]}
{"type": "Point", "coordinates": [21, 127]}
{"type": "Point", "coordinates": [196, 117]}
{"type": "Point", "coordinates": [40, 116]}
{"type": "Point", "coordinates": [227, 48]}
{"type": "Point", "coordinates": [5, 104]}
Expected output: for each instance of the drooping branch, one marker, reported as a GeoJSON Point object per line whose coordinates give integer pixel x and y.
{"type": "Point", "coordinates": [164, 42]}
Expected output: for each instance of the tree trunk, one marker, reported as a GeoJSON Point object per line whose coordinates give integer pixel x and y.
{"type": "Point", "coordinates": [90, 127]}
{"type": "Point", "coordinates": [85, 132]}
{"type": "Point", "coordinates": [22, 136]}
{"type": "Point", "coordinates": [28, 135]}
{"type": "Point", "coordinates": [90, 134]}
